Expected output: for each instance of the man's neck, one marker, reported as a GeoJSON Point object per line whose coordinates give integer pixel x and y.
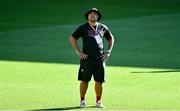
{"type": "Point", "coordinates": [92, 23]}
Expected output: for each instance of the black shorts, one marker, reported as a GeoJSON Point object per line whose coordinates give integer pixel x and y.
{"type": "Point", "coordinates": [91, 67]}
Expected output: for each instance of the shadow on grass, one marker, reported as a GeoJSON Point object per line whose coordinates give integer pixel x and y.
{"type": "Point", "coordinates": [52, 45]}
{"type": "Point", "coordinates": [167, 71]}
{"type": "Point", "coordinates": [61, 109]}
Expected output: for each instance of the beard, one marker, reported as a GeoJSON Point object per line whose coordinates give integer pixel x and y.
{"type": "Point", "coordinates": [93, 20]}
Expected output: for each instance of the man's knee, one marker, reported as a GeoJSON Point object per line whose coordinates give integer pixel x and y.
{"type": "Point", "coordinates": [84, 82]}
{"type": "Point", "coordinates": [98, 83]}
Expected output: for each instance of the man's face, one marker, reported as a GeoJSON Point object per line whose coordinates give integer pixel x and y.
{"type": "Point", "coordinates": [93, 16]}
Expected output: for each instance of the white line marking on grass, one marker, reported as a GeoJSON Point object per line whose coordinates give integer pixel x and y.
{"type": "Point", "coordinates": [21, 24]}
{"type": "Point", "coordinates": [50, 27]}
{"type": "Point", "coordinates": [146, 17]}
{"type": "Point", "coordinates": [72, 26]}
{"type": "Point", "coordinates": [123, 29]}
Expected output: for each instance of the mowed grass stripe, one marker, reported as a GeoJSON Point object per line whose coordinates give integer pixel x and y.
{"type": "Point", "coordinates": [26, 85]}
{"type": "Point", "coordinates": [132, 39]}
{"type": "Point", "coordinates": [33, 85]}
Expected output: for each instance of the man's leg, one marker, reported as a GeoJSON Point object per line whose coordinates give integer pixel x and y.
{"type": "Point", "coordinates": [83, 89]}
{"type": "Point", "coordinates": [98, 90]}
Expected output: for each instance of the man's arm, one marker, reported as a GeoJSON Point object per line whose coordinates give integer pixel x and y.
{"type": "Point", "coordinates": [77, 49]}
{"type": "Point", "coordinates": [110, 44]}
{"type": "Point", "coordinates": [108, 51]}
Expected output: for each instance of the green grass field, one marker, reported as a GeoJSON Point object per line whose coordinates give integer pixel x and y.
{"type": "Point", "coordinates": [26, 85]}
{"type": "Point", "coordinates": [38, 68]}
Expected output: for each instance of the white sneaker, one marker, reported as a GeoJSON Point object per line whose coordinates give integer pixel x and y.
{"type": "Point", "coordinates": [99, 104]}
{"type": "Point", "coordinates": [83, 104]}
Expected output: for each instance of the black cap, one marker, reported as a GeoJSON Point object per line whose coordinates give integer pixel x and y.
{"type": "Point", "coordinates": [93, 10]}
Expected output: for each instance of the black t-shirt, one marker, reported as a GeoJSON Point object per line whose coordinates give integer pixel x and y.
{"type": "Point", "coordinates": [93, 38]}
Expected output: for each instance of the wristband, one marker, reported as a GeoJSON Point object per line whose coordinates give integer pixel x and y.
{"type": "Point", "coordinates": [108, 51]}
{"type": "Point", "coordinates": [78, 53]}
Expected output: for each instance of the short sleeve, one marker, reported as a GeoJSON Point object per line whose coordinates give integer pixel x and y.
{"type": "Point", "coordinates": [108, 34]}
{"type": "Point", "coordinates": [77, 33]}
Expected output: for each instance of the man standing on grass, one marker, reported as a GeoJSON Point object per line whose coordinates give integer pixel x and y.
{"type": "Point", "coordinates": [93, 56]}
